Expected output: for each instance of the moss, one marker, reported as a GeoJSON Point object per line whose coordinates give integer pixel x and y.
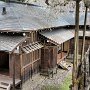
{"type": "Point", "coordinates": [64, 86]}
{"type": "Point", "coordinates": [67, 82]}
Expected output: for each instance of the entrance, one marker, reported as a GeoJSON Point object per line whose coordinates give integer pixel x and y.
{"type": "Point", "coordinates": [4, 63]}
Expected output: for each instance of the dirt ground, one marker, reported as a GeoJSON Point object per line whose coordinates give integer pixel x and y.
{"type": "Point", "coordinates": [39, 82]}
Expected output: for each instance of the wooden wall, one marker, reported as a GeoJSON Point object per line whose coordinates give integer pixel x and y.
{"type": "Point", "coordinates": [87, 43]}
{"type": "Point", "coordinates": [30, 64]}
{"type": "Point", "coordinates": [48, 58]}
{"type": "Point", "coordinates": [17, 65]}
{"type": "Point", "coordinates": [66, 46]}
{"type": "Point", "coordinates": [26, 64]}
{"type": "Point", "coordinates": [32, 38]}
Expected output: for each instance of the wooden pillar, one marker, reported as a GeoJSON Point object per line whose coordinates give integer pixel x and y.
{"type": "Point", "coordinates": [84, 31]}
{"type": "Point", "coordinates": [83, 48]}
{"type": "Point", "coordinates": [13, 71]}
{"type": "Point", "coordinates": [75, 62]}
{"type": "Point", "coordinates": [31, 36]}
{"type": "Point", "coordinates": [63, 46]}
{"type": "Point", "coordinates": [21, 66]}
{"type": "Point", "coordinates": [89, 63]}
{"type": "Point", "coordinates": [68, 47]}
{"type": "Point", "coordinates": [20, 52]}
{"type": "Point", "coordinates": [61, 51]}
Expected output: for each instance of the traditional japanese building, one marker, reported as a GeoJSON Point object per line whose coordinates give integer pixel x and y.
{"type": "Point", "coordinates": [20, 47]}
{"type": "Point", "coordinates": [32, 40]}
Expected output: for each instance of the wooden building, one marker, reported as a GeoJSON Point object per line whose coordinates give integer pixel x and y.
{"type": "Point", "coordinates": [87, 40]}
{"type": "Point", "coordinates": [56, 47]}
{"type": "Point", "coordinates": [19, 56]}
{"type": "Point", "coordinates": [61, 42]}
{"type": "Point", "coordinates": [20, 48]}
{"type": "Point", "coordinates": [22, 30]}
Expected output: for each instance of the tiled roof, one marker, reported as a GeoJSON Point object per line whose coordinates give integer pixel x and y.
{"type": "Point", "coordinates": [23, 18]}
{"type": "Point", "coordinates": [9, 43]}
{"type": "Point", "coordinates": [20, 17]}
{"type": "Point", "coordinates": [58, 36]}
{"type": "Point", "coordinates": [70, 18]}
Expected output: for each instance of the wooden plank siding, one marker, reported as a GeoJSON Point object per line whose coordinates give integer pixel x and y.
{"type": "Point", "coordinates": [66, 46]}
{"type": "Point", "coordinates": [30, 64]}
{"type": "Point", "coordinates": [26, 63]}
{"type": "Point", "coordinates": [87, 43]}
{"type": "Point", "coordinates": [17, 65]}
{"type": "Point", "coordinates": [48, 58]}
{"type": "Point", "coordinates": [63, 53]}
{"type": "Point", "coordinates": [32, 38]}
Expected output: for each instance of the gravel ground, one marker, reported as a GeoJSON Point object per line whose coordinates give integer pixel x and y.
{"type": "Point", "coordinates": [38, 81]}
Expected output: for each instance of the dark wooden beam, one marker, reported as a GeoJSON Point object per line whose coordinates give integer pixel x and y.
{"type": "Point", "coordinates": [75, 61]}
{"type": "Point", "coordinates": [13, 71]}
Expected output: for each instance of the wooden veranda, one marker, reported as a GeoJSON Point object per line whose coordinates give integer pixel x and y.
{"type": "Point", "coordinates": [9, 62]}
{"type": "Point", "coordinates": [7, 82]}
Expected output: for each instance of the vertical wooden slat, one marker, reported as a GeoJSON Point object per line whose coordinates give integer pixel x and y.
{"type": "Point", "coordinates": [32, 36]}
{"type": "Point", "coordinates": [48, 58]}
{"type": "Point", "coordinates": [13, 71]}
{"type": "Point", "coordinates": [68, 47]}
{"type": "Point", "coordinates": [61, 50]}
{"type": "Point", "coordinates": [21, 65]}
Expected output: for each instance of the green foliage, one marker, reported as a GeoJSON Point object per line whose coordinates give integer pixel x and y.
{"type": "Point", "coordinates": [67, 82]}
{"type": "Point", "coordinates": [64, 86]}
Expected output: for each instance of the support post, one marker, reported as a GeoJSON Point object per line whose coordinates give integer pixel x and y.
{"type": "Point", "coordinates": [61, 51]}
{"type": "Point", "coordinates": [89, 63]}
{"type": "Point", "coordinates": [75, 62]}
{"type": "Point", "coordinates": [84, 31]}
{"type": "Point", "coordinates": [13, 71]}
{"type": "Point", "coordinates": [83, 48]}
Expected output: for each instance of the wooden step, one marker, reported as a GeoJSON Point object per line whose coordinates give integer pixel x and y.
{"type": "Point", "coordinates": [5, 86]}
{"type": "Point", "coordinates": [64, 65]}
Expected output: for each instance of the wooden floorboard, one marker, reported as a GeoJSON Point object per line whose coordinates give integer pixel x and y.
{"type": "Point", "coordinates": [8, 80]}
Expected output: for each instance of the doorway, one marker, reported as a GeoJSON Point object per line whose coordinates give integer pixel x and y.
{"type": "Point", "coordinates": [4, 63]}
